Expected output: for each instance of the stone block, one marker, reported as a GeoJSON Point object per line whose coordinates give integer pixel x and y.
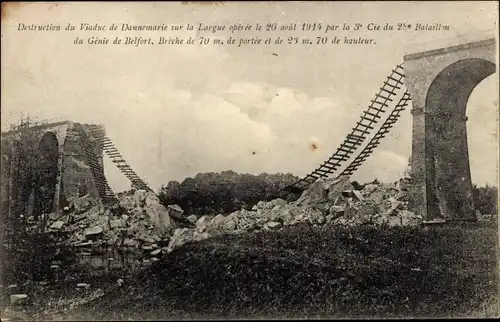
{"type": "Point", "coordinates": [202, 223]}
{"type": "Point", "coordinates": [18, 299]}
{"type": "Point", "coordinates": [93, 231]}
{"type": "Point", "coordinates": [57, 225]}
{"type": "Point", "coordinates": [192, 218]}
{"type": "Point", "coordinates": [159, 216]}
{"type": "Point", "coordinates": [175, 211]}
{"type": "Point", "coordinates": [116, 223]}
{"type": "Point", "coordinates": [217, 220]}
{"type": "Point", "coordinates": [155, 252]}
{"type": "Point", "coordinates": [273, 225]}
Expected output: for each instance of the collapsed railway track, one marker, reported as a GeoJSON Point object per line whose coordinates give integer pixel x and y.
{"type": "Point", "coordinates": [361, 131]}
{"type": "Point", "coordinates": [112, 152]}
{"type": "Point", "coordinates": [352, 142]}
{"type": "Point", "coordinates": [90, 133]}
{"type": "Point", "coordinates": [104, 190]}
{"type": "Point", "coordinates": [375, 141]}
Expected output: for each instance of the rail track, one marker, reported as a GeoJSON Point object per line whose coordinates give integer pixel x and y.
{"type": "Point", "coordinates": [362, 129]}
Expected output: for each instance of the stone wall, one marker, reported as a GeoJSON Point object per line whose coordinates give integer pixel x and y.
{"type": "Point", "coordinates": [77, 178]}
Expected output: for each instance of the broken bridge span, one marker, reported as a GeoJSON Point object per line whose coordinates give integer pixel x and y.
{"type": "Point", "coordinates": [438, 84]}
{"type": "Point", "coordinates": [44, 164]}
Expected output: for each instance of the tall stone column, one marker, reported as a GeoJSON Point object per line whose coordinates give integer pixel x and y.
{"type": "Point", "coordinates": [60, 173]}
{"type": "Point", "coordinates": [449, 185]}
{"type": "Point", "coordinates": [417, 189]}
{"type": "Point", "coordinates": [440, 82]}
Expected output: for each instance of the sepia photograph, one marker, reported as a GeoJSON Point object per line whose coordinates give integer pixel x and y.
{"type": "Point", "coordinates": [228, 160]}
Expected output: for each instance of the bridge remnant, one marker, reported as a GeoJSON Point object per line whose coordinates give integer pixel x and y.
{"type": "Point", "coordinates": [440, 82]}
{"type": "Point", "coordinates": [45, 165]}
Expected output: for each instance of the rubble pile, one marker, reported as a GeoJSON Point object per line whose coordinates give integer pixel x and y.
{"type": "Point", "coordinates": [143, 223]}
{"type": "Point", "coordinates": [148, 225]}
{"type": "Point", "coordinates": [326, 202]}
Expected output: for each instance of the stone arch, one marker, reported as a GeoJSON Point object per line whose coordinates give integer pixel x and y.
{"type": "Point", "coordinates": [46, 187]}
{"type": "Point", "coordinates": [448, 178]}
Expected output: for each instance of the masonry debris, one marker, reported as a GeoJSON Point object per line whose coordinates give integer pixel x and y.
{"type": "Point", "coordinates": [150, 227]}
{"type": "Point", "coordinates": [143, 223]}
{"type": "Point", "coordinates": [18, 299]}
{"type": "Point", "coordinates": [326, 202]}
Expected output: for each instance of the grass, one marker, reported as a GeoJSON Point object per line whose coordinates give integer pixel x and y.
{"type": "Point", "coordinates": [303, 272]}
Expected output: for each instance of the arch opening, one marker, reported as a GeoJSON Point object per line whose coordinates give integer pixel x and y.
{"type": "Point", "coordinates": [48, 152]}
{"type": "Point", "coordinates": [482, 113]}
{"type": "Point", "coordinates": [448, 175]}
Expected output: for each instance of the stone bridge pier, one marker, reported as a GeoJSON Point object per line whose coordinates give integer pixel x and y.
{"type": "Point", "coordinates": [440, 82]}
{"type": "Point", "coordinates": [45, 165]}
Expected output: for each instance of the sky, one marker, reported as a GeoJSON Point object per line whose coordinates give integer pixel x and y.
{"type": "Point", "coordinates": [176, 110]}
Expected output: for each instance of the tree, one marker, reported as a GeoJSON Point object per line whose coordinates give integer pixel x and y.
{"type": "Point", "coordinates": [225, 192]}
{"type": "Point", "coordinates": [485, 199]}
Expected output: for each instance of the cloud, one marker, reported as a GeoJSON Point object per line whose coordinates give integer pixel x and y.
{"type": "Point", "coordinates": [216, 132]}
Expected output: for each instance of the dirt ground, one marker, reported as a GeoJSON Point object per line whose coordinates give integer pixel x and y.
{"type": "Point", "coordinates": [298, 272]}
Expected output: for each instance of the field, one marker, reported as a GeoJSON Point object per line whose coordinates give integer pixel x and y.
{"type": "Point", "coordinates": [304, 272]}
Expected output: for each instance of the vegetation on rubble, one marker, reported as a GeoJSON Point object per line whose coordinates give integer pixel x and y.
{"type": "Point", "coordinates": [225, 192]}
{"type": "Point", "coordinates": [438, 271]}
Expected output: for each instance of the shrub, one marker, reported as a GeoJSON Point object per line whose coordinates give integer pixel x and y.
{"type": "Point", "coordinates": [485, 199]}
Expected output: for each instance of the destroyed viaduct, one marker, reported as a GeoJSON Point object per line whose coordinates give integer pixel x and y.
{"type": "Point", "coordinates": [69, 156]}
{"type": "Point", "coordinates": [60, 161]}
{"type": "Point", "coordinates": [440, 83]}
